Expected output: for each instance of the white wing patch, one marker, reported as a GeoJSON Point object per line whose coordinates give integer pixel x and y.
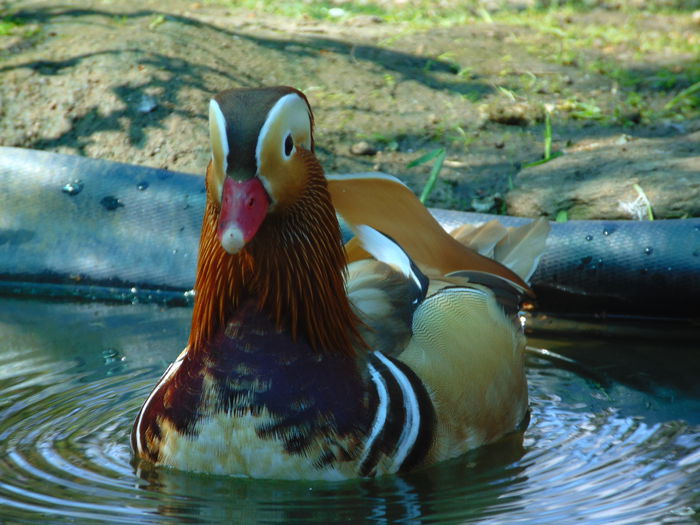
{"type": "Point", "coordinates": [387, 251]}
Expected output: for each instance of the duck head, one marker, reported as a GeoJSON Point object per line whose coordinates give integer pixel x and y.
{"type": "Point", "coordinates": [261, 140]}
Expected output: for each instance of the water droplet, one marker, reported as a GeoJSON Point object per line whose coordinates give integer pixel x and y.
{"type": "Point", "coordinates": [111, 203]}
{"type": "Point", "coordinates": [648, 250]}
{"type": "Point", "coordinates": [609, 229]}
{"type": "Point", "coordinates": [589, 237]}
{"type": "Point", "coordinates": [142, 185]}
{"type": "Point", "coordinates": [174, 251]}
{"type": "Point", "coordinates": [73, 188]}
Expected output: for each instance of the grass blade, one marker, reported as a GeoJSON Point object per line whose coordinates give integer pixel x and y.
{"type": "Point", "coordinates": [440, 153]}
{"type": "Point", "coordinates": [425, 158]}
{"type": "Point", "coordinates": [683, 94]}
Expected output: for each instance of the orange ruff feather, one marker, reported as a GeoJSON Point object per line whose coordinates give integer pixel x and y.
{"type": "Point", "coordinates": [294, 267]}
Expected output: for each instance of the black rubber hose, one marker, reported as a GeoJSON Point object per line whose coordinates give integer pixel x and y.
{"type": "Point", "coordinates": [76, 226]}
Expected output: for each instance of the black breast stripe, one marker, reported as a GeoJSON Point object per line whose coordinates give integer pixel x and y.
{"type": "Point", "coordinates": [426, 430]}
{"type": "Point", "coordinates": [404, 423]}
{"type": "Point", "coordinates": [392, 422]}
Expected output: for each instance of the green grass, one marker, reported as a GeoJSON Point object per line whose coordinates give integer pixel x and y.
{"type": "Point", "coordinates": [687, 95]}
{"type": "Point", "coordinates": [11, 25]}
{"type": "Point", "coordinates": [8, 25]}
{"type": "Point", "coordinates": [548, 155]}
{"type": "Point", "coordinates": [439, 156]}
{"type": "Point", "coordinates": [451, 12]}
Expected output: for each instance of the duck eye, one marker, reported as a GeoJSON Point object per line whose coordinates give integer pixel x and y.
{"type": "Point", "coordinates": [288, 145]}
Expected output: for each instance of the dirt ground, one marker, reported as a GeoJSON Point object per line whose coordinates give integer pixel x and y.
{"type": "Point", "coordinates": [130, 81]}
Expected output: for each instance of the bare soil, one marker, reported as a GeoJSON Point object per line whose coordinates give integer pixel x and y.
{"type": "Point", "coordinates": [130, 81]}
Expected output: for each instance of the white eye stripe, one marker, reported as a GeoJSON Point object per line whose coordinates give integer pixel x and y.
{"type": "Point", "coordinates": [217, 129]}
{"type": "Point", "coordinates": [293, 108]}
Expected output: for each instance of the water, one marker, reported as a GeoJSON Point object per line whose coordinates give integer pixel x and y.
{"type": "Point", "coordinates": [614, 436]}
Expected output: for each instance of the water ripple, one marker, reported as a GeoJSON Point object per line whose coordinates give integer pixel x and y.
{"type": "Point", "coordinates": [590, 454]}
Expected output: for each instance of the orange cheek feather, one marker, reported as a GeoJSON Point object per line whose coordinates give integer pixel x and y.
{"type": "Point", "coordinates": [244, 206]}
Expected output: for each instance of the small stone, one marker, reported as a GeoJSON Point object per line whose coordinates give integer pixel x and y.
{"type": "Point", "coordinates": [598, 182]}
{"type": "Point", "coordinates": [363, 148]}
{"type": "Point", "coordinates": [499, 144]}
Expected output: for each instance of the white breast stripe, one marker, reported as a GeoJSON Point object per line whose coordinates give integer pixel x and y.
{"type": "Point", "coordinates": [380, 415]}
{"type": "Point", "coordinates": [412, 424]}
{"type": "Point", "coordinates": [167, 375]}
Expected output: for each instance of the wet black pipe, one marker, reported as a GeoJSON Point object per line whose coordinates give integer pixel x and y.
{"type": "Point", "coordinates": [77, 227]}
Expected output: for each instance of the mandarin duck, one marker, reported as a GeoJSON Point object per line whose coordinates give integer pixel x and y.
{"type": "Point", "coordinates": [311, 359]}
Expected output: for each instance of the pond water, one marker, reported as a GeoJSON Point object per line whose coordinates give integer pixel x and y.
{"type": "Point", "coordinates": [614, 436]}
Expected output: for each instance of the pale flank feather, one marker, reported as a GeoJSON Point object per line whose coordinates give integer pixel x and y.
{"type": "Point", "coordinates": [463, 342]}
{"type": "Point", "coordinates": [468, 353]}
